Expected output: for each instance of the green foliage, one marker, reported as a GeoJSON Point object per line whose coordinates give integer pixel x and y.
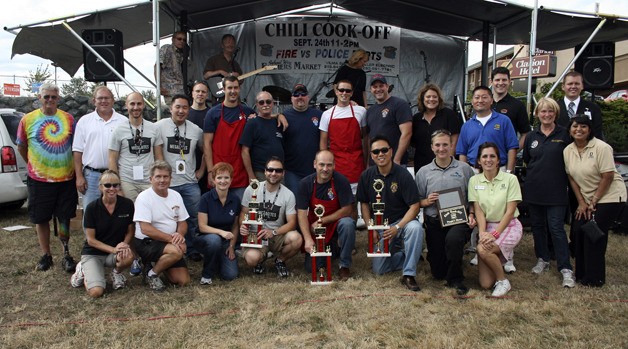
{"type": "Point", "coordinates": [615, 120]}
{"type": "Point", "coordinates": [149, 95]}
{"type": "Point", "coordinates": [78, 87]}
{"type": "Point", "coordinates": [40, 75]}
{"type": "Point", "coordinates": [556, 95]}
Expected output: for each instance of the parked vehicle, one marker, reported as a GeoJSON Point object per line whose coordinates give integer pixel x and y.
{"type": "Point", "coordinates": [623, 94]}
{"type": "Point", "coordinates": [13, 191]}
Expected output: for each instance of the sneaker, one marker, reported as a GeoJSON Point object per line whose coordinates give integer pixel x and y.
{"type": "Point", "coordinates": [259, 268]}
{"type": "Point", "coordinates": [540, 267]}
{"type": "Point", "coordinates": [568, 280]}
{"type": "Point", "coordinates": [155, 283]}
{"type": "Point", "coordinates": [474, 260]}
{"type": "Point", "coordinates": [509, 267]}
{"type": "Point", "coordinates": [45, 262]}
{"type": "Point", "coordinates": [206, 281]}
{"type": "Point", "coordinates": [118, 280]}
{"type": "Point", "coordinates": [78, 277]}
{"type": "Point", "coordinates": [68, 264]}
{"type": "Point", "coordinates": [136, 267]}
{"type": "Point", "coordinates": [501, 288]}
{"type": "Point", "coordinates": [282, 270]}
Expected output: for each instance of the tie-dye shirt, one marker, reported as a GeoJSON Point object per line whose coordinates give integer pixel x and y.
{"type": "Point", "coordinates": [49, 142]}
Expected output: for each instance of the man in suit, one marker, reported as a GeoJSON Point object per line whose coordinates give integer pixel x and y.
{"type": "Point", "coordinates": [572, 104]}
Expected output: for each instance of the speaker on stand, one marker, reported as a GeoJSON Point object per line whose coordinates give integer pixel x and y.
{"type": "Point", "coordinates": [108, 44]}
{"type": "Point", "coordinates": [597, 65]}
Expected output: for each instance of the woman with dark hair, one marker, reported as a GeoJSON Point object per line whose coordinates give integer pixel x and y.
{"type": "Point", "coordinates": [495, 195]}
{"type": "Point", "coordinates": [109, 229]}
{"type": "Point", "coordinates": [353, 71]}
{"type": "Point", "coordinates": [432, 116]}
{"type": "Point", "coordinates": [218, 225]}
{"type": "Point", "coordinates": [545, 189]}
{"type": "Point", "coordinates": [600, 192]}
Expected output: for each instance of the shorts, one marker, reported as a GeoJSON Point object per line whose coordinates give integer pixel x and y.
{"type": "Point", "coordinates": [132, 189]}
{"type": "Point", "coordinates": [94, 268]}
{"type": "Point", "coordinates": [275, 244]}
{"type": "Point", "coordinates": [47, 199]}
{"type": "Point", "coordinates": [508, 239]}
{"type": "Point", "coordinates": [151, 250]}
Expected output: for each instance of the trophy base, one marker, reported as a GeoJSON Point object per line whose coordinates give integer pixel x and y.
{"type": "Point", "coordinates": [320, 283]}
{"type": "Point", "coordinates": [378, 227]}
{"type": "Point", "coordinates": [320, 254]}
{"type": "Point", "coordinates": [252, 245]}
{"type": "Point", "coordinates": [256, 223]}
{"type": "Point", "coordinates": [375, 254]}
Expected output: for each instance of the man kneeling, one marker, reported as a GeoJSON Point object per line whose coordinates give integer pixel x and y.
{"type": "Point", "coordinates": [160, 218]}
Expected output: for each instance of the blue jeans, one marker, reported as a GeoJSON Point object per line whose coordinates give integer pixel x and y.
{"type": "Point", "coordinates": [93, 192]}
{"type": "Point", "coordinates": [346, 244]}
{"type": "Point", "coordinates": [291, 181]}
{"type": "Point", "coordinates": [191, 194]}
{"type": "Point", "coordinates": [213, 248]}
{"type": "Point", "coordinates": [552, 218]}
{"type": "Point", "coordinates": [405, 249]}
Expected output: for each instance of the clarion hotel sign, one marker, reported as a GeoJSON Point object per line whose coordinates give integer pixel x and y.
{"type": "Point", "coordinates": [542, 66]}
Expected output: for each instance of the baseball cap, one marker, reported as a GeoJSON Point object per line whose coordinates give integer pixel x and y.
{"type": "Point", "coordinates": [378, 77]}
{"type": "Point", "coordinates": [299, 87]}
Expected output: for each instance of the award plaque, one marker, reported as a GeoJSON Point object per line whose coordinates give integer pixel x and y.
{"type": "Point", "coordinates": [451, 208]}
{"type": "Point", "coordinates": [254, 220]}
{"type": "Point", "coordinates": [378, 246]}
{"type": "Point", "coordinates": [320, 276]}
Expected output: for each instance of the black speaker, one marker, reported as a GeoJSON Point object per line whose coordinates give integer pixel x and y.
{"type": "Point", "coordinates": [108, 44]}
{"type": "Point", "coordinates": [597, 65]}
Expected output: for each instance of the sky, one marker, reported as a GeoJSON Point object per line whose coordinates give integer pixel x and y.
{"type": "Point", "coordinates": [15, 13]}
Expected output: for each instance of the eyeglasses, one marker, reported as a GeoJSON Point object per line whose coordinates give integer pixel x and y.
{"type": "Point", "coordinates": [266, 101]}
{"type": "Point", "coordinates": [53, 97]}
{"type": "Point", "coordinates": [103, 98]}
{"type": "Point", "coordinates": [345, 90]}
{"type": "Point", "coordinates": [109, 185]}
{"type": "Point", "coordinates": [383, 150]}
{"type": "Point", "coordinates": [271, 170]}
{"type": "Point", "coordinates": [299, 94]}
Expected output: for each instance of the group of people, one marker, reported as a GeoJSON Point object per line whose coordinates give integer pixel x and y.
{"type": "Point", "coordinates": [145, 196]}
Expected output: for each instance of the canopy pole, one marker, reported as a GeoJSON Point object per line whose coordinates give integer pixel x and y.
{"type": "Point", "coordinates": [531, 51]}
{"type": "Point", "coordinates": [139, 72]}
{"type": "Point", "coordinates": [586, 43]}
{"type": "Point", "coordinates": [494, 47]}
{"type": "Point", "coordinates": [102, 60]}
{"type": "Point", "coordinates": [485, 41]}
{"type": "Point", "coordinates": [157, 63]}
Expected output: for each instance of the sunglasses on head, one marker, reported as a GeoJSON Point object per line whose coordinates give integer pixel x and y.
{"type": "Point", "coordinates": [109, 185]}
{"type": "Point", "coordinates": [345, 90]}
{"type": "Point", "coordinates": [299, 94]}
{"type": "Point", "coordinates": [383, 150]}
{"type": "Point", "coordinates": [53, 97]}
{"type": "Point", "coordinates": [277, 170]}
{"type": "Point", "coordinates": [265, 101]}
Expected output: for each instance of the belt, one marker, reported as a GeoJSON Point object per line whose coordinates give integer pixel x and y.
{"type": "Point", "coordinates": [100, 170]}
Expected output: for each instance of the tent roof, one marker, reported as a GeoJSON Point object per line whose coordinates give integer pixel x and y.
{"type": "Point", "coordinates": [449, 17]}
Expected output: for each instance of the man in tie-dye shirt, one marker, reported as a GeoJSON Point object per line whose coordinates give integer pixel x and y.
{"type": "Point", "coordinates": [44, 138]}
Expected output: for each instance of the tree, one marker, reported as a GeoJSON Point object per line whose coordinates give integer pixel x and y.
{"type": "Point", "coordinates": [39, 76]}
{"type": "Point", "coordinates": [149, 95]}
{"type": "Point", "coordinates": [78, 87]}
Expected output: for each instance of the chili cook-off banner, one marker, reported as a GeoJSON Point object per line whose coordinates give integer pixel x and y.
{"type": "Point", "coordinates": [320, 46]}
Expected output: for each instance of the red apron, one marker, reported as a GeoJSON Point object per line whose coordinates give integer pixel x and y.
{"type": "Point", "coordinates": [226, 147]}
{"type": "Point", "coordinates": [331, 206]}
{"type": "Point", "coordinates": [345, 142]}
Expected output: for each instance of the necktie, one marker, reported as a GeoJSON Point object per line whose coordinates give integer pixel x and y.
{"type": "Point", "coordinates": [571, 110]}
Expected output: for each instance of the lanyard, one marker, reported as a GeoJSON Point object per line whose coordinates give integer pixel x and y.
{"type": "Point", "coordinates": [274, 200]}
{"type": "Point", "coordinates": [180, 141]}
{"type": "Point", "coordinates": [137, 137]}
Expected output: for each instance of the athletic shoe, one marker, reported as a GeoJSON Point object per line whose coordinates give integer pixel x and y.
{"type": "Point", "coordinates": [68, 264]}
{"type": "Point", "coordinates": [568, 280]}
{"type": "Point", "coordinates": [45, 262]}
{"type": "Point", "coordinates": [259, 268]}
{"type": "Point", "coordinates": [540, 267]}
{"type": "Point", "coordinates": [282, 270]}
{"type": "Point", "coordinates": [474, 260]}
{"type": "Point", "coordinates": [78, 277]}
{"type": "Point", "coordinates": [136, 267]}
{"type": "Point", "coordinates": [206, 281]}
{"type": "Point", "coordinates": [509, 267]}
{"type": "Point", "coordinates": [155, 283]}
{"type": "Point", "coordinates": [501, 288]}
{"type": "Point", "coordinates": [118, 280]}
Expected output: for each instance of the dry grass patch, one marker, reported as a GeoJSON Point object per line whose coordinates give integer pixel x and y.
{"type": "Point", "coordinates": [41, 310]}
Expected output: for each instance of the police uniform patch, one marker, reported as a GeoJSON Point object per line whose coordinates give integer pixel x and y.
{"type": "Point", "coordinates": [330, 194]}
{"type": "Point", "coordinates": [534, 144]}
{"type": "Point", "coordinates": [315, 121]}
{"type": "Point", "coordinates": [385, 112]}
{"type": "Point", "coordinates": [497, 127]}
{"type": "Point", "coordinates": [394, 187]}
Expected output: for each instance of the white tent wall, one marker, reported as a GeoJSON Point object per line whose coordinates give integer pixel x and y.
{"type": "Point", "coordinates": [445, 61]}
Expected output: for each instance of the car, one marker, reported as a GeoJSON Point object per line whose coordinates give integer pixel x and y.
{"type": "Point", "coordinates": [623, 94]}
{"type": "Point", "coordinates": [13, 191]}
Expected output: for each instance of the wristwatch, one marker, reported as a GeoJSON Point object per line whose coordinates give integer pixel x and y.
{"type": "Point", "coordinates": [398, 227]}
{"type": "Point", "coordinates": [274, 233]}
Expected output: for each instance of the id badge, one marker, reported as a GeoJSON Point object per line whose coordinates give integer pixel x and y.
{"type": "Point", "coordinates": [138, 173]}
{"type": "Point", "coordinates": [180, 167]}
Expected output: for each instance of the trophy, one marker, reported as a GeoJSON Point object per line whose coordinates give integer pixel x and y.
{"type": "Point", "coordinates": [254, 220]}
{"type": "Point", "coordinates": [451, 210]}
{"type": "Point", "coordinates": [320, 276]}
{"type": "Point", "coordinates": [379, 247]}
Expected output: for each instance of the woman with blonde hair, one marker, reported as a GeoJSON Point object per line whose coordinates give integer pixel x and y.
{"type": "Point", "coordinates": [353, 71]}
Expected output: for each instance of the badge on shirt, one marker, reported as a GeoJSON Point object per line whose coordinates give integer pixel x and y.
{"type": "Point", "coordinates": [385, 112]}
{"type": "Point", "coordinates": [315, 121]}
{"type": "Point", "coordinates": [534, 144]}
{"type": "Point", "coordinates": [330, 194]}
{"type": "Point", "coordinates": [479, 187]}
{"type": "Point", "coordinates": [180, 167]}
{"type": "Point", "coordinates": [497, 127]}
{"type": "Point", "coordinates": [175, 211]}
{"type": "Point", "coordinates": [393, 187]}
